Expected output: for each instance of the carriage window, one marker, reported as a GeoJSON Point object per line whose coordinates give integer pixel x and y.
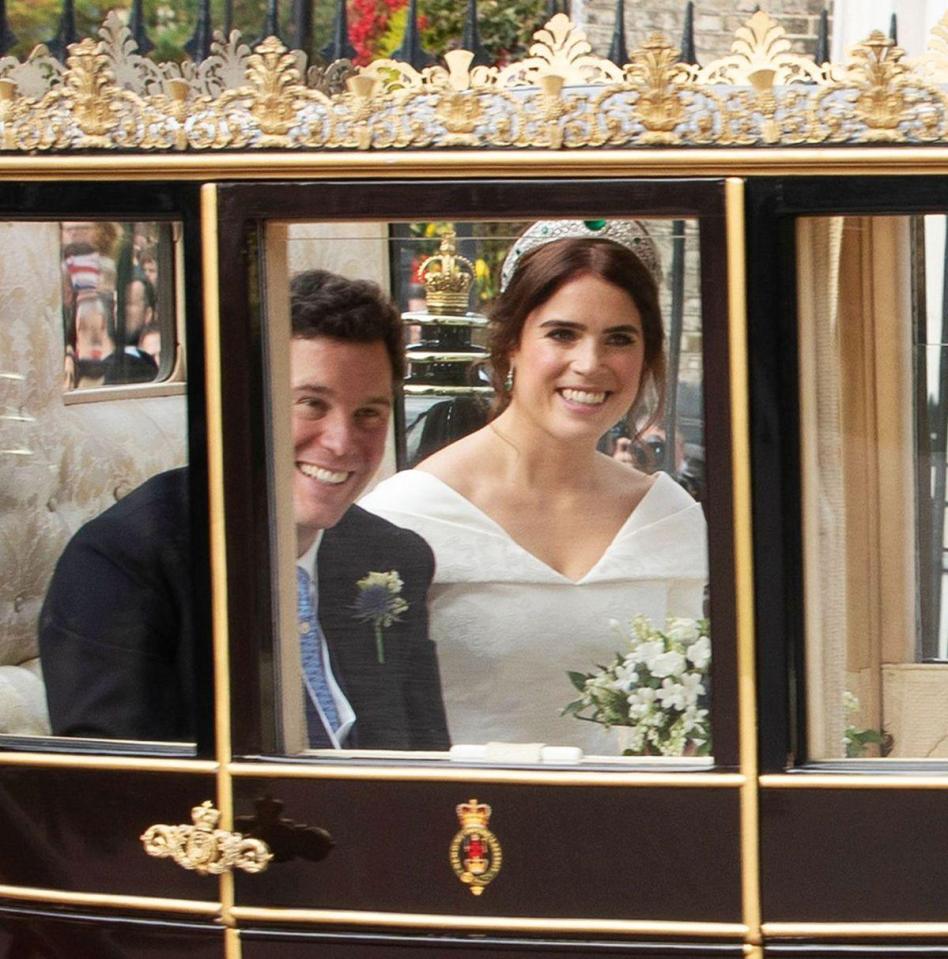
{"type": "Point", "coordinates": [524, 577]}
{"type": "Point", "coordinates": [118, 303]}
{"type": "Point", "coordinates": [873, 400]}
{"type": "Point", "coordinates": [95, 519]}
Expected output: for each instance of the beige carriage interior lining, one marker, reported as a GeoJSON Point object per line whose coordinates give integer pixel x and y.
{"type": "Point", "coordinates": [61, 464]}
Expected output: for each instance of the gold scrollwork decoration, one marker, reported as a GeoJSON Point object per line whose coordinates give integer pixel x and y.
{"type": "Point", "coordinates": [108, 96]}
{"type": "Point", "coordinates": [658, 73]}
{"type": "Point", "coordinates": [933, 63]}
{"type": "Point", "coordinates": [475, 853]}
{"type": "Point", "coordinates": [204, 848]}
{"type": "Point", "coordinates": [761, 43]}
{"type": "Point", "coordinates": [560, 48]}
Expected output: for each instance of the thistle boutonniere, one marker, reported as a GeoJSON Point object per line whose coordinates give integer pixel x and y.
{"type": "Point", "coordinates": [379, 602]}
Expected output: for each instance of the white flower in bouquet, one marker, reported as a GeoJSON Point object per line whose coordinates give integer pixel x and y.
{"type": "Point", "coordinates": [657, 689]}
{"type": "Point", "coordinates": [683, 630]}
{"type": "Point", "coordinates": [699, 652]}
{"type": "Point", "coordinates": [666, 664]}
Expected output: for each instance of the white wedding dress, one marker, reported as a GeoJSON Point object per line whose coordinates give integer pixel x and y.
{"type": "Point", "coordinates": [508, 627]}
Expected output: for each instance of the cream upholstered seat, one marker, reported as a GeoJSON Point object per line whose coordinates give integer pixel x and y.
{"type": "Point", "coordinates": [60, 464]}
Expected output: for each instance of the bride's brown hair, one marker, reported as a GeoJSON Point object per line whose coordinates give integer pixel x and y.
{"type": "Point", "coordinates": [542, 271]}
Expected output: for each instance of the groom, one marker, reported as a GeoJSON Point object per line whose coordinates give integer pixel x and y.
{"type": "Point", "coordinates": [116, 634]}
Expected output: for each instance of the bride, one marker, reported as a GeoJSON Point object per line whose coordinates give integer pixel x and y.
{"type": "Point", "coordinates": [540, 540]}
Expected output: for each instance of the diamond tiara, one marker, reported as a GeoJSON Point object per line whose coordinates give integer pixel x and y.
{"type": "Point", "coordinates": [630, 233]}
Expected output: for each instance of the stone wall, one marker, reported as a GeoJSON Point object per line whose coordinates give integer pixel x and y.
{"type": "Point", "coordinates": [716, 22]}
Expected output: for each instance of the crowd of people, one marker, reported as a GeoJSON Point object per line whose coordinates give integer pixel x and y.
{"type": "Point", "coordinates": [450, 604]}
{"type": "Point", "coordinates": [110, 303]}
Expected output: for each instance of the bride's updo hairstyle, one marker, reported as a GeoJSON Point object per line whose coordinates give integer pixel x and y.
{"type": "Point", "coordinates": [541, 271]}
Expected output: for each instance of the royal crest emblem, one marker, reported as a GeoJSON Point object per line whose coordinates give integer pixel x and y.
{"type": "Point", "coordinates": [475, 853]}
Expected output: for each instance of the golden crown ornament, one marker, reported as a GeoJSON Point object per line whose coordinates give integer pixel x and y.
{"type": "Point", "coordinates": [448, 288]}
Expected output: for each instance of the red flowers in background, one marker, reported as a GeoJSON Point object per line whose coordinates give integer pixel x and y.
{"type": "Point", "coordinates": [369, 22]}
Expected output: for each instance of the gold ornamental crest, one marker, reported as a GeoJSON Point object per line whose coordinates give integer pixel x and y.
{"type": "Point", "coordinates": [475, 853]}
{"type": "Point", "coordinates": [204, 848]}
{"type": "Point", "coordinates": [109, 96]}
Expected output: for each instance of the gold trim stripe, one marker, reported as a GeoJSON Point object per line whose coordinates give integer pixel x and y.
{"type": "Point", "coordinates": [855, 781]}
{"type": "Point", "coordinates": [484, 923]}
{"type": "Point", "coordinates": [448, 773]}
{"type": "Point", "coordinates": [105, 900]}
{"type": "Point", "coordinates": [126, 763]}
{"type": "Point", "coordinates": [215, 469]}
{"type": "Point", "coordinates": [805, 161]}
{"type": "Point", "coordinates": [743, 554]}
{"type": "Point", "coordinates": [218, 538]}
{"type": "Point", "coordinates": [232, 944]}
{"type": "Point", "coordinates": [867, 930]}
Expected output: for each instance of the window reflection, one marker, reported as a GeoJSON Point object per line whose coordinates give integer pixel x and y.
{"type": "Point", "coordinates": [563, 531]}
{"type": "Point", "coordinates": [117, 302]}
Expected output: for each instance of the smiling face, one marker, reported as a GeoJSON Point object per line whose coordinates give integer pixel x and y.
{"type": "Point", "coordinates": [342, 401]}
{"type": "Point", "coordinates": [580, 359]}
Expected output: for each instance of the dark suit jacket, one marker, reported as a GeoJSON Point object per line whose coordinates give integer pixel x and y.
{"type": "Point", "coordinates": [117, 637]}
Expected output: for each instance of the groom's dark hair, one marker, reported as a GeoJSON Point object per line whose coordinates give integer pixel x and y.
{"type": "Point", "coordinates": [355, 311]}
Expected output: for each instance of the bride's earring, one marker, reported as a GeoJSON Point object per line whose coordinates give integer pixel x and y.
{"type": "Point", "coordinates": [509, 380]}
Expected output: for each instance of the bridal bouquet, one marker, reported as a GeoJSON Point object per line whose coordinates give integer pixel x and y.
{"type": "Point", "coordinates": [658, 689]}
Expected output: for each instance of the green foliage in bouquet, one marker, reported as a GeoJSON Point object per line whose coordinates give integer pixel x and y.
{"type": "Point", "coordinates": [856, 740]}
{"type": "Point", "coordinates": [658, 689]}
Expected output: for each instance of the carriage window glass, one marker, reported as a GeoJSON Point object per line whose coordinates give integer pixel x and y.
{"type": "Point", "coordinates": [873, 403]}
{"type": "Point", "coordinates": [96, 604]}
{"type": "Point", "coordinates": [523, 576]}
{"type": "Point", "coordinates": [118, 303]}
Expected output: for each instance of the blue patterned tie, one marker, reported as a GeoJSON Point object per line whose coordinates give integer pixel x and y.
{"type": "Point", "coordinates": [311, 654]}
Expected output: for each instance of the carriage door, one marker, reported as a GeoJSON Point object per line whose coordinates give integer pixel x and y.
{"type": "Point", "coordinates": [611, 833]}
{"type": "Point", "coordinates": [848, 419]}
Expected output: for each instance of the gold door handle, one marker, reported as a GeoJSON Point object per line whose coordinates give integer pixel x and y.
{"type": "Point", "coordinates": [203, 847]}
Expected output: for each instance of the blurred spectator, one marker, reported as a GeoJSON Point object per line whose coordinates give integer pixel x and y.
{"type": "Point", "coordinates": [148, 261]}
{"type": "Point", "coordinates": [150, 341]}
{"type": "Point", "coordinates": [93, 326]}
{"type": "Point", "coordinates": [139, 305]}
{"type": "Point", "coordinates": [92, 335]}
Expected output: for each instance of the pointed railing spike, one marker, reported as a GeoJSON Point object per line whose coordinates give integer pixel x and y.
{"type": "Point", "coordinates": [228, 17]}
{"type": "Point", "coordinates": [688, 54]}
{"type": "Point", "coordinates": [618, 51]}
{"type": "Point", "coordinates": [199, 46]}
{"type": "Point", "coordinates": [302, 32]}
{"type": "Point", "coordinates": [822, 38]}
{"type": "Point", "coordinates": [271, 21]}
{"type": "Point", "coordinates": [7, 36]}
{"type": "Point", "coordinates": [894, 28]}
{"type": "Point", "coordinates": [66, 33]}
{"type": "Point", "coordinates": [339, 47]}
{"type": "Point", "coordinates": [471, 38]}
{"type": "Point", "coordinates": [136, 25]}
{"type": "Point", "coordinates": [411, 50]}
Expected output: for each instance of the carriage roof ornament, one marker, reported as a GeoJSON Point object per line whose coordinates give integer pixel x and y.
{"type": "Point", "coordinates": [561, 96]}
